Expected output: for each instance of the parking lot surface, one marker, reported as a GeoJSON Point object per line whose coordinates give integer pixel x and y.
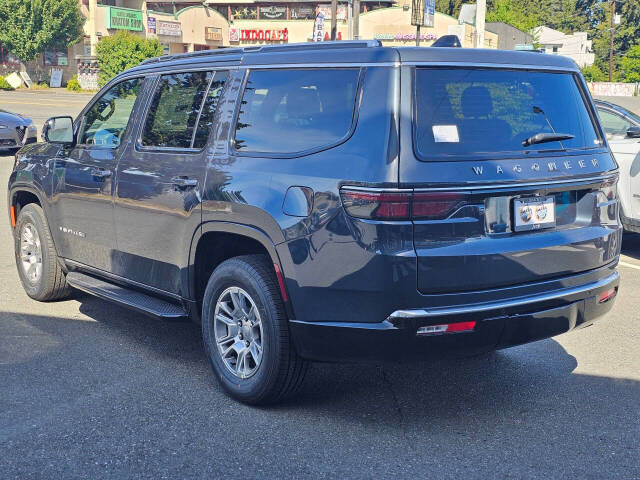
{"type": "Point", "coordinates": [90, 390]}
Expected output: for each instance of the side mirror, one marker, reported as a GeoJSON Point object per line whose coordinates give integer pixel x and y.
{"type": "Point", "coordinates": [58, 130]}
{"type": "Point", "coordinates": [633, 132]}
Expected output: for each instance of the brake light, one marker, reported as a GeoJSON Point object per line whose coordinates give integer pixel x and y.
{"type": "Point", "coordinates": [400, 205]}
{"type": "Point", "coordinates": [13, 216]}
{"type": "Point", "coordinates": [446, 328]}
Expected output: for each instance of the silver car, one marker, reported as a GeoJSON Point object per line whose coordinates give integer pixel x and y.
{"type": "Point", "coordinates": [15, 130]}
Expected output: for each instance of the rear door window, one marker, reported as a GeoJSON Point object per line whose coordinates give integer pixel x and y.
{"type": "Point", "coordinates": [174, 110]}
{"type": "Point", "coordinates": [461, 113]}
{"type": "Point", "coordinates": [287, 111]}
{"type": "Point", "coordinates": [209, 108]}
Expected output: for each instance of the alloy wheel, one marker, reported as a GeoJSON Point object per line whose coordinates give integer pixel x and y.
{"type": "Point", "coordinates": [30, 253]}
{"type": "Point", "coordinates": [238, 332]}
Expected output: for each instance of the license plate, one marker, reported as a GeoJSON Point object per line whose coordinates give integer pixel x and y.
{"type": "Point", "coordinates": [534, 213]}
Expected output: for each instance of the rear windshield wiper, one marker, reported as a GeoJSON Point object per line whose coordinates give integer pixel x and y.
{"type": "Point", "coordinates": [546, 137]}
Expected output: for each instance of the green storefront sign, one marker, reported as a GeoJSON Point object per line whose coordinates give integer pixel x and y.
{"type": "Point", "coordinates": [124, 19]}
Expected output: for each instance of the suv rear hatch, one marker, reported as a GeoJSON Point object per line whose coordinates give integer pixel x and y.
{"type": "Point", "coordinates": [508, 178]}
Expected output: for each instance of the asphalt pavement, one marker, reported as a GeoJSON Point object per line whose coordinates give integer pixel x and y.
{"type": "Point", "coordinates": [91, 390]}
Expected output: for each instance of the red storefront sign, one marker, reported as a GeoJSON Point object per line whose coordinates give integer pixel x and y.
{"type": "Point", "coordinates": [264, 35]}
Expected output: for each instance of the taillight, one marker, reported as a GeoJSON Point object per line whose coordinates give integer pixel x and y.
{"type": "Point", "coordinates": [377, 205]}
{"type": "Point", "coordinates": [400, 205]}
{"type": "Point", "coordinates": [610, 188]}
{"type": "Point", "coordinates": [435, 205]}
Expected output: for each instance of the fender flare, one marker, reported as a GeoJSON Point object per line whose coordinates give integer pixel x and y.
{"type": "Point", "coordinates": [237, 229]}
{"type": "Point", "coordinates": [28, 187]}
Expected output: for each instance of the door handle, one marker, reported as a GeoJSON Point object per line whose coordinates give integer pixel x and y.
{"type": "Point", "coordinates": [100, 173]}
{"type": "Point", "coordinates": [184, 182]}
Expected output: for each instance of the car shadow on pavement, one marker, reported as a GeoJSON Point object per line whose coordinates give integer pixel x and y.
{"type": "Point", "coordinates": [523, 402]}
{"type": "Point", "coordinates": [631, 245]}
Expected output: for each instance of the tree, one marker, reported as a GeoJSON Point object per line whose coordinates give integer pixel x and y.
{"type": "Point", "coordinates": [630, 65]}
{"type": "Point", "coordinates": [123, 50]}
{"type": "Point", "coordinates": [513, 12]}
{"type": "Point", "coordinates": [450, 7]}
{"type": "Point", "coordinates": [28, 27]}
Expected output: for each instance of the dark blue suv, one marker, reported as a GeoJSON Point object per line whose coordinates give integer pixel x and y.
{"type": "Point", "coordinates": [331, 202]}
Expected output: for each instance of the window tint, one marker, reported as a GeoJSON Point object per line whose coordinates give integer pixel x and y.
{"type": "Point", "coordinates": [295, 110]}
{"type": "Point", "coordinates": [463, 112]}
{"type": "Point", "coordinates": [174, 109]}
{"type": "Point", "coordinates": [106, 121]}
{"type": "Point", "coordinates": [614, 125]}
{"type": "Point", "coordinates": [209, 109]}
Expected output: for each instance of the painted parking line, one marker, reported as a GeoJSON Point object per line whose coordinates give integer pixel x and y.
{"type": "Point", "coordinates": [2, 101]}
{"type": "Point", "coordinates": [630, 265]}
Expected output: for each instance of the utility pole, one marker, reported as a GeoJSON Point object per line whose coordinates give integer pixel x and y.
{"type": "Point", "coordinates": [613, 14]}
{"type": "Point", "coordinates": [334, 19]}
{"type": "Point", "coordinates": [356, 19]}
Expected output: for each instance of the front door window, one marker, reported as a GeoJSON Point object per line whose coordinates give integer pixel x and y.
{"type": "Point", "coordinates": [106, 121]}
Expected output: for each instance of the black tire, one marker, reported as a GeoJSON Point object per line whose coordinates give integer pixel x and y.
{"type": "Point", "coordinates": [52, 283]}
{"type": "Point", "coordinates": [281, 370]}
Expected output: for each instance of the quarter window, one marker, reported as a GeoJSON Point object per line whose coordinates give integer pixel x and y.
{"type": "Point", "coordinates": [107, 119]}
{"type": "Point", "coordinates": [174, 109]}
{"type": "Point", "coordinates": [209, 109]}
{"type": "Point", "coordinates": [287, 111]}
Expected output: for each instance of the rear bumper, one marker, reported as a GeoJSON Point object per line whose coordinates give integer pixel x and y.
{"type": "Point", "coordinates": [499, 324]}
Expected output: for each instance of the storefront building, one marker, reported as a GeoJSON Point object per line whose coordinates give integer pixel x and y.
{"type": "Point", "coordinates": [186, 26]}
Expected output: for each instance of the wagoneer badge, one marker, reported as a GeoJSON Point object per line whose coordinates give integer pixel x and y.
{"type": "Point", "coordinates": [536, 167]}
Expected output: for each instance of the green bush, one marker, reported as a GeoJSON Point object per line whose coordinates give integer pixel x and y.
{"type": "Point", "coordinates": [594, 74]}
{"type": "Point", "coordinates": [73, 85]}
{"type": "Point", "coordinates": [116, 53]}
{"type": "Point", "coordinates": [4, 85]}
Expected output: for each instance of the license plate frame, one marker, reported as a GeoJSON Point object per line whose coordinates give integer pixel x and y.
{"type": "Point", "coordinates": [534, 213]}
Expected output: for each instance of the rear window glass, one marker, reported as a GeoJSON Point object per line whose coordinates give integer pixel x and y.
{"type": "Point", "coordinates": [286, 111]}
{"type": "Point", "coordinates": [469, 112]}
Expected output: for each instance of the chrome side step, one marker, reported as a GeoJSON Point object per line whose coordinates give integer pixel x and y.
{"type": "Point", "coordinates": [132, 299]}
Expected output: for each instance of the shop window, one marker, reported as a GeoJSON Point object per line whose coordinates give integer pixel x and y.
{"type": "Point", "coordinates": [7, 58]}
{"type": "Point", "coordinates": [222, 10]}
{"type": "Point", "coordinates": [55, 58]}
{"type": "Point", "coordinates": [273, 12]}
{"type": "Point", "coordinates": [174, 110]}
{"type": "Point", "coordinates": [288, 111]}
{"type": "Point", "coordinates": [209, 109]}
{"type": "Point", "coordinates": [302, 12]}
{"type": "Point", "coordinates": [244, 12]}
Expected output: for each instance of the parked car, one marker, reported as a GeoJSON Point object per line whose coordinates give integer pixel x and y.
{"type": "Point", "coordinates": [622, 128]}
{"type": "Point", "coordinates": [333, 202]}
{"type": "Point", "coordinates": [16, 131]}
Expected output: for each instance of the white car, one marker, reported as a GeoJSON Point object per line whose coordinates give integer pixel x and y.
{"type": "Point", "coordinates": [622, 128]}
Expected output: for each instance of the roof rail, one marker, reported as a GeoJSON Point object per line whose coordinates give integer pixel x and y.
{"type": "Point", "coordinates": [201, 53]}
{"type": "Point", "coordinates": [268, 48]}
